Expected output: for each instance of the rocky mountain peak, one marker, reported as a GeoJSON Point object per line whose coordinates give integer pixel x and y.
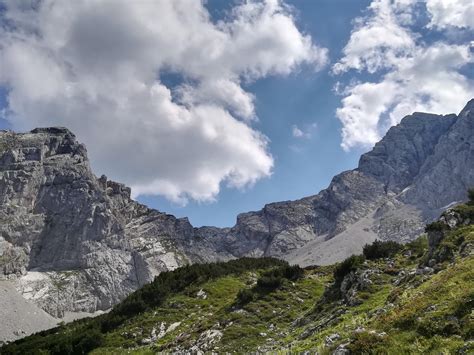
{"type": "Point", "coordinates": [468, 110]}
{"type": "Point", "coordinates": [53, 131]}
{"type": "Point", "coordinates": [399, 156]}
{"type": "Point", "coordinates": [40, 145]}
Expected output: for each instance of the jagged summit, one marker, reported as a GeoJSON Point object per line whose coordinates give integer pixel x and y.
{"type": "Point", "coordinates": [62, 225]}
{"type": "Point", "coordinates": [52, 130]}
{"type": "Point", "coordinates": [398, 157]}
{"type": "Point", "coordinates": [468, 109]}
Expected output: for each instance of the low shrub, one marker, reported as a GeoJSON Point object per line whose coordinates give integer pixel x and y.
{"type": "Point", "coordinates": [466, 211]}
{"type": "Point", "coordinates": [273, 278]}
{"type": "Point", "coordinates": [445, 252]}
{"type": "Point", "coordinates": [245, 296]}
{"type": "Point", "coordinates": [418, 247]}
{"type": "Point", "coordinates": [464, 306]}
{"type": "Point", "coordinates": [470, 194]}
{"type": "Point", "coordinates": [352, 263]}
{"type": "Point", "coordinates": [438, 326]}
{"type": "Point", "coordinates": [333, 292]}
{"type": "Point", "coordinates": [394, 295]}
{"type": "Point", "coordinates": [391, 270]}
{"type": "Point", "coordinates": [381, 249]}
{"type": "Point", "coordinates": [154, 293]}
{"type": "Point", "coordinates": [368, 343]}
{"type": "Point", "coordinates": [83, 341]}
{"type": "Point", "coordinates": [437, 226]}
{"type": "Point", "coordinates": [269, 281]}
{"type": "Point", "coordinates": [89, 341]}
{"type": "Point", "coordinates": [293, 272]}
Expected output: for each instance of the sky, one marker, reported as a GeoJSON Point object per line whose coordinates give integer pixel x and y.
{"type": "Point", "coordinates": [208, 109]}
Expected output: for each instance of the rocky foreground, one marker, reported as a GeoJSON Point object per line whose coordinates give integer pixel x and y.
{"type": "Point", "coordinates": [73, 242]}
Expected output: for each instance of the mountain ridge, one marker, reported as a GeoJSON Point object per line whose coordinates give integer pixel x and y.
{"type": "Point", "coordinates": [72, 242]}
{"type": "Point", "coordinates": [415, 298]}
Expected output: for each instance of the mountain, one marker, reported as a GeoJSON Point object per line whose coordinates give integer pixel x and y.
{"type": "Point", "coordinates": [415, 298]}
{"type": "Point", "coordinates": [72, 242]}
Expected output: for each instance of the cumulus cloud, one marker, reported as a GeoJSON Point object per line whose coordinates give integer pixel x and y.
{"type": "Point", "coordinates": [376, 40]}
{"type": "Point", "coordinates": [97, 67]}
{"type": "Point", "coordinates": [413, 74]}
{"type": "Point", "coordinates": [449, 13]}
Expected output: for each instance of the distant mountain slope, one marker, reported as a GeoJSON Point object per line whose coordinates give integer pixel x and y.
{"type": "Point", "coordinates": [412, 299]}
{"type": "Point", "coordinates": [421, 166]}
{"type": "Point", "coordinates": [70, 241]}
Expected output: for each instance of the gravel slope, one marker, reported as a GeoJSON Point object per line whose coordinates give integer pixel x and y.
{"type": "Point", "coordinates": [18, 317]}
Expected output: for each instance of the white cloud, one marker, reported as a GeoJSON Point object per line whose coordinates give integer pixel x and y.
{"type": "Point", "coordinates": [297, 133]}
{"type": "Point", "coordinates": [95, 67]}
{"type": "Point", "coordinates": [451, 13]}
{"type": "Point", "coordinates": [305, 132]}
{"type": "Point", "coordinates": [414, 75]}
{"type": "Point", "coordinates": [220, 92]}
{"type": "Point", "coordinates": [376, 39]}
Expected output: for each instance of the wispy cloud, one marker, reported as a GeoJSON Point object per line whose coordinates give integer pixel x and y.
{"type": "Point", "coordinates": [304, 133]}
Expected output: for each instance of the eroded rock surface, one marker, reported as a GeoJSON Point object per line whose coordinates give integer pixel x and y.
{"type": "Point", "coordinates": [71, 241]}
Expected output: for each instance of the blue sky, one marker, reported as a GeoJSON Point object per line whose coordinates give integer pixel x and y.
{"type": "Point", "coordinates": [321, 83]}
{"type": "Point", "coordinates": [303, 98]}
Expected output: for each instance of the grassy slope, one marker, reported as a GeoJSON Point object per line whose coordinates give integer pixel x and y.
{"type": "Point", "coordinates": [242, 328]}
{"type": "Point", "coordinates": [250, 330]}
{"type": "Point", "coordinates": [421, 313]}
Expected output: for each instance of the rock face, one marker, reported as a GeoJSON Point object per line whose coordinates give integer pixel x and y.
{"type": "Point", "coordinates": [70, 241]}
{"type": "Point", "coordinates": [74, 242]}
{"type": "Point", "coordinates": [420, 167]}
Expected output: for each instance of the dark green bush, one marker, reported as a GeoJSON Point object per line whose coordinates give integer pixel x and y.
{"type": "Point", "coordinates": [464, 306]}
{"type": "Point", "coordinates": [82, 341]}
{"type": "Point", "coordinates": [445, 252]}
{"type": "Point", "coordinates": [293, 272]}
{"type": "Point", "coordinates": [470, 194]}
{"type": "Point", "coordinates": [352, 263]}
{"type": "Point", "coordinates": [466, 211]}
{"type": "Point", "coordinates": [438, 326]}
{"type": "Point", "coordinates": [367, 343]}
{"type": "Point", "coordinates": [380, 249]}
{"type": "Point", "coordinates": [245, 296]}
{"type": "Point", "coordinates": [273, 278]}
{"type": "Point", "coordinates": [269, 282]}
{"type": "Point", "coordinates": [418, 246]}
{"type": "Point", "coordinates": [437, 226]}
{"type": "Point", "coordinates": [89, 341]}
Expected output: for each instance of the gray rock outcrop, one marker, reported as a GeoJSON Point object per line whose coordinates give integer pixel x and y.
{"type": "Point", "coordinates": [72, 242]}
